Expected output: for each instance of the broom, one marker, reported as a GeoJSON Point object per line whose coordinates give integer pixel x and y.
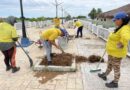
{"type": "Point", "coordinates": [97, 67]}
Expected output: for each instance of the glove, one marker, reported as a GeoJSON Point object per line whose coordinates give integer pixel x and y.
{"type": "Point", "coordinates": [15, 39]}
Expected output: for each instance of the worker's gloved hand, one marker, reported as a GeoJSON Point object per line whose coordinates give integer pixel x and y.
{"type": "Point", "coordinates": [15, 39]}
{"type": "Point", "coordinates": [120, 45]}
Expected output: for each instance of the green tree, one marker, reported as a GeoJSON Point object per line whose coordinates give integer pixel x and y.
{"type": "Point", "coordinates": [93, 13]}
{"type": "Point", "coordinates": [79, 17]}
{"type": "Point", "coordinates": [68, 17]}
{"type": "Point", "coordinates": [40, 18]}
{"type": "Point", "coordinates": [99, 11]}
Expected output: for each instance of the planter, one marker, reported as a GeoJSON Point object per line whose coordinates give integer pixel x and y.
{"type": "Point", "coordinates": [38, 67]}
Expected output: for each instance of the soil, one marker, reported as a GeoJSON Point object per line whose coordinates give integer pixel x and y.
{"type": "Point", "coordinates": [66, 59]}
{"type": "Point", "coordinates": [94, 58]}
{"type": "Point", "coordinates": [62, 60]}
{"type": "Point", "coordinates": [59, 59]}
{"type": "Point", "coordinates": [80, 59]}
{"type": "Point", "coordinates": [46, 76]}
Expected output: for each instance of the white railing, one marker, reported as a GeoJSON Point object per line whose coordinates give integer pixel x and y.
{"type": "Point", "coordinates": [101, 32]}
{"type": "Point", "coordinates": [39, 24]}
{"type": "Point", "coordinates": [94, 29]}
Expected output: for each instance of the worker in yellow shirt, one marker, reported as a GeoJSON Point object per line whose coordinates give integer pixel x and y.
{"type": "Point", "coordinates": [49, 36]}
{"type": "Point", "coordinates": [56, 22]}
{"type": "Point", "coordinates": [8, 37]}
{"type": "Point", "coordinates": [117, 47]}
{"type": "Point", "coordinates": [80, 28]}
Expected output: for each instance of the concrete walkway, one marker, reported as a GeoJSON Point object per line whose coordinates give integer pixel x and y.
{"type": "Point", "coordinates": [26, 79]}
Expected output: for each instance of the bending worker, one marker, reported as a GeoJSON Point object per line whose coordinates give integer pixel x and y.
{"type": "Point", "coordinates": [8, 37]}
{"type": "Point", "coordinates": [117, 48]}
{"type": "Point", "coordinates": [49, 36]}
{"type": "Point", "coordinates": [80, 28]}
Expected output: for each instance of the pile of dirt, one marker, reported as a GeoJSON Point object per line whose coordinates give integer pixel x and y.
{"type": "Point", "coordinates": [46, 76]}
{"type": "Point", "coordinates": [95, 58]}
{"type": "Point", "coordinates": [80, 59]}
{"type": "Point", "coordinates": [59, 59]}
{"type": "Point", "coordinates": [66, 59]}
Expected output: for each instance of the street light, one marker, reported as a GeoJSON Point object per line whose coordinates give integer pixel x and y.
{"type": "Point", "coordinates": [24, 40]}
{"type": "Point", "coordinates": [56, 5]}
{"type": "Point", "coordinates": [62, 14]}
{"type": "Point", "coordinates": [22, 18]}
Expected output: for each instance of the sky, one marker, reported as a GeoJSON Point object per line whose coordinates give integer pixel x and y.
{"type": "Point", "coordinates": [37, 8]}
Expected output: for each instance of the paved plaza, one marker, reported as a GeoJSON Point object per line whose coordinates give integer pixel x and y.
{"type": "Point", "coordinates": [82, 79]}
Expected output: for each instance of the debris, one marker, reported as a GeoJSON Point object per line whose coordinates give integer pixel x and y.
{"type": "Point", "coordinates": [47, 76]}
{"type": "Point", "coordinates": [66, 59]}
{"type": "Point", "coordinates": [94, 58]}
{"type": "Point", "coordinates": [80, 59]}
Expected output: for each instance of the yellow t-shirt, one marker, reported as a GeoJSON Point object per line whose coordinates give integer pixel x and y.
{"type": "Point", "coordinates": [7, 32]}
{"type": "Point", "coordinates": [123, 36]}
{"type": "Point", "coordinates": [78, 24]}
{"type": "Point", "coordinates": [50, 34]}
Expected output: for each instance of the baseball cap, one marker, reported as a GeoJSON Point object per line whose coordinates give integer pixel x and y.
{"type": "Point", "coordinates": [120, 15]}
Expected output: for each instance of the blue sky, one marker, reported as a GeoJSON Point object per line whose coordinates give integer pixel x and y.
{"type": "Point", "coordinates": [36, 8]}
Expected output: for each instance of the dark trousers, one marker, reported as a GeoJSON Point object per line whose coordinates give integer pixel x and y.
{"type": "Point", "coordinates": [10, 57]}
{"type": "Point", "coordinates": [80, 30]}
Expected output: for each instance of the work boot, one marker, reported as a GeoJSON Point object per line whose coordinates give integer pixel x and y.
{"type": "Point", "coordinates": [112, 85]}
{"type": "Point", "coordinates": [102, 76]}
{"type": "Point", "coordinates": [8, 68]}
{"type": "Point", "coordinates": [15, 69]}
{"type": "Point", "coordinates": [49, 62]}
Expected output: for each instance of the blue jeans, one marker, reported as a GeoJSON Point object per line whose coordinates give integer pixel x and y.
{"type": "Point", "coordinates": [48, 48]}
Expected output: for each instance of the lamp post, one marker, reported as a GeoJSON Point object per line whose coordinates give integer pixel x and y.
{"type": "Point", "coordinates": [56, 8]}
{"type": "Point", "coordinates": [62, 15]}
{"type": "Point", "coordinates": [56, 4]}
{"type": "Point", "coordinates": [24, 40]}
{"type": "Point", "coordinates": [22, 17]}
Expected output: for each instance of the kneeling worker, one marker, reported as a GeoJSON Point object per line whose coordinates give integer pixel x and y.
{"type": "Point", "coordinates": [49, 36]}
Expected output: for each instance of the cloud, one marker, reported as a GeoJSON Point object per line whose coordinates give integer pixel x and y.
{"type": "Point", "coordinates": [34, 8]}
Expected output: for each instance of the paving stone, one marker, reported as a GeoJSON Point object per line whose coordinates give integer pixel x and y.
{"type": "Point", "coordinates": [80, 80]}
